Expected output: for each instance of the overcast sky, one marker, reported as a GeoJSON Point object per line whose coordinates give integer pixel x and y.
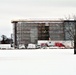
{"type": "Point", "coordinates": [25, 9]}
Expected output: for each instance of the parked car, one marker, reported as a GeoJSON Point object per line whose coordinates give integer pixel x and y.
{"type": "Point", "coordinates": [38, 46]}
{"type": "Point", "coordinates": [22, 46]}
{"type": "Point", "coordinates": [31, 46]}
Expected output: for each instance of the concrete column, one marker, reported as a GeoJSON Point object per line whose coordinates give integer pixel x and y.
{"type": "Point", "coordinates": [75, 40]}
{"type": "Point", "coordinates": [15, 35]}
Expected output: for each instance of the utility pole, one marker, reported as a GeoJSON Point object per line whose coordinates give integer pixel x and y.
{"type": "Point", "coordinates": [75, 39]}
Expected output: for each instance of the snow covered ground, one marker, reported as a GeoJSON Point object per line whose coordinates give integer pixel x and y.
{"type": "Point", "coordinates": [38, 62]}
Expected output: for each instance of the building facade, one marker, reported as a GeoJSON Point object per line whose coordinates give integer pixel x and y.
{"type": "Point", "coordinates": [30, 31]}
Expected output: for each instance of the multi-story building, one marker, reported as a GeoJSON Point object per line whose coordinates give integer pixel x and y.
{"type": "Point", "coordinates": [30, 31]}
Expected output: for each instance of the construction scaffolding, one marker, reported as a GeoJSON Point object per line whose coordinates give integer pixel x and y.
{"type": "Point", "coordinates": [26, 32]}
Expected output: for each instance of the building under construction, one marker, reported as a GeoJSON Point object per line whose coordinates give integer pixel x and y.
{"type": "Point", "coordinates": [30, 31]}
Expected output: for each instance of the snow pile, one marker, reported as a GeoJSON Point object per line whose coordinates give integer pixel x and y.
{"type": "Point", "coordinates": [38, 62]}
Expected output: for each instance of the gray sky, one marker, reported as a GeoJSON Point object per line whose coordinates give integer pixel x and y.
{"type": "Point", "coordinates": [40, 9]}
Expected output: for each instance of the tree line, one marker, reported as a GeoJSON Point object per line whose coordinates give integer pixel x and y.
{"type": "Point", "coordinates": [5, 40]}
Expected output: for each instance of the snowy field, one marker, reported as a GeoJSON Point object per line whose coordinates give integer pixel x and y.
{"type": "Point", "coordinates": [38, 62]}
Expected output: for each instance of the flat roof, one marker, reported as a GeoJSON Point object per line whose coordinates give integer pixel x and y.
{"type": "Point", "coordinates": [31, 20]}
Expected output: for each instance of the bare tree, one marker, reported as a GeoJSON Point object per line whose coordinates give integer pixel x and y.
{"type": "Point", "coordinates": [3, 39]}
{"type": "Point", "coordinates": [70, 28]}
